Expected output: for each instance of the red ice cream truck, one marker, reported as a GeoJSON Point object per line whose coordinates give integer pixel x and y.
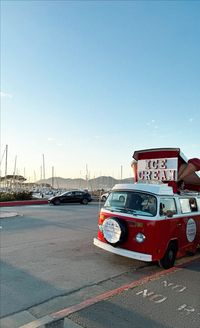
{"type": "Point", "coordinates": [157, 218]}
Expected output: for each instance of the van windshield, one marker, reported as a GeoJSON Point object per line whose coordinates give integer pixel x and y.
{"type": "Point", "coordinates": [132, 202]}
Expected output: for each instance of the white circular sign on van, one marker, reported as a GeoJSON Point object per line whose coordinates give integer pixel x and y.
{"type": "Point", "coordinates": [191, 230]}
{"type": "Point", "coordinates": [111, 230]}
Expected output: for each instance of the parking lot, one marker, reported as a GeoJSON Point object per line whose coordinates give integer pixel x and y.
{"type": "Point", "coordinates": [49, 262]}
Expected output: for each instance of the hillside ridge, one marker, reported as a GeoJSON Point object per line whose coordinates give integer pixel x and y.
{"type": "Point", "coordinates": [102, 182]}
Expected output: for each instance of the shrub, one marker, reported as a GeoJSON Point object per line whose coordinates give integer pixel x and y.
{"type": "Point", "coordinates": [12, 196]}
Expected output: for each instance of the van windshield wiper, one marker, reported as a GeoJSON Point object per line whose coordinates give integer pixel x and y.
{"type": "Point", "coordinates": [131, 211]}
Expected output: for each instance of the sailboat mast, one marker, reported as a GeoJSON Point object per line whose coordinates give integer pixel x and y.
{"type": "Point", "coordinates": [43, 167]}
{"type": "Point", "coordinates": [14, 172]}
{"type": "Point", "coordinates": [6, 166]}
{"type": "Point", "coordinates": [52, 183]}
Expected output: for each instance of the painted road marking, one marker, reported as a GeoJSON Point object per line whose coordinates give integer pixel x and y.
{"type": "Point", "coordinates": [53, 317]}
{"type": "Point", "coordinates": [178, 288]}
{"type": "Point", "coordinates": [102, 297]}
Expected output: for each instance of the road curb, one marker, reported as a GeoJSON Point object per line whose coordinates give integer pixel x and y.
{"type": "Point", "coordinates": [23, 202]}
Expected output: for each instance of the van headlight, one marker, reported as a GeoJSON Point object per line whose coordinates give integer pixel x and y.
{"type": "Point", "coordinates": [140, 237]}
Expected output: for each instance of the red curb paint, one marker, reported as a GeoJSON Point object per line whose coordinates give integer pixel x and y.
{"type": "Point", "coordinates": [106, 295]}
{"type": "Point", "coordinates": [24, 202]}
{"type": "Point", "coordinates": [102, 297]}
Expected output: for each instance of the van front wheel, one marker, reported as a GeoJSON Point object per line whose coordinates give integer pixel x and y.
{"type": "Point", "coordinates": [169, 258]}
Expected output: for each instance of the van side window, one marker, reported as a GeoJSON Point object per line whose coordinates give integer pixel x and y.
{"type": "Point", "coordinates": [167, 205]}
{"type": "Point", "coordinates": [198, 204]}
{"type": "Point", "coordinates": [188, 205]}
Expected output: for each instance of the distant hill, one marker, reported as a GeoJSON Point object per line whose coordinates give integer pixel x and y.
{"type": "Point", "coordinates": [102, 182]}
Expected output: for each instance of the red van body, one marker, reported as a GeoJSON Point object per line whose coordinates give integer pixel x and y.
{"type": "Point", "coordinates": [151, 220]}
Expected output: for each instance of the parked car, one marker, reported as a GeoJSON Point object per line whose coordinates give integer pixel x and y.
{"type": "Point", "coordinates": [120, 198]}
{"type": "Point", "coordinates": [75, 196]}
{"type": "Point", "coordinates": [104, 196]}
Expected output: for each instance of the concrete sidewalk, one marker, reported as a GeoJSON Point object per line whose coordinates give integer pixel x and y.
{"type": "Point", "coordinates": [6, 214]}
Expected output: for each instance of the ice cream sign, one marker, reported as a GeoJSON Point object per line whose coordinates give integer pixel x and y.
{"type": "Point", "coordinates": [161, 169]}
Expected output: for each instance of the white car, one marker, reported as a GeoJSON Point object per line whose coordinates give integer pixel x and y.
{"type": "Point", "coordinates": [104, 196]}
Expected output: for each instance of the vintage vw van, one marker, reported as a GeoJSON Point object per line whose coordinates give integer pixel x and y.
{"type": "Point", "coordinates": [148, 220]}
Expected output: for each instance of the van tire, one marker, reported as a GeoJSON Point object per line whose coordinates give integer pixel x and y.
{"type": "Point", "coordinates": [169, 258]}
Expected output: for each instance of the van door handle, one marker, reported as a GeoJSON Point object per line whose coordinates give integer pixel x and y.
{"type": "Point", "coordinates": [179, 224]}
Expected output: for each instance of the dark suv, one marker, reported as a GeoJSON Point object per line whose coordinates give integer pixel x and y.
{"type": "Point", "coordinates": [75, 196]}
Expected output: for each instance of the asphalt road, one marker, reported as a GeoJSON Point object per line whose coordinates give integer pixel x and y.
{"type": "Point", "coordinates": [48, 259]}
{"type": "Point", "coordinates": [169, 301]}
{"type": "Point", "coordinates": [49, 262]}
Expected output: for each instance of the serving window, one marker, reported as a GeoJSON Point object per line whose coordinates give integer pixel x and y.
{"type": "Point", "coordinates": [188, 205]}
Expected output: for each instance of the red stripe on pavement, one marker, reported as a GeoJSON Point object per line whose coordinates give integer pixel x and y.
{"type": "Point", "coordinates": [24, 202]}
{"type": "Point", "coordinates": [102, 297]}
{"type": "Point", "coordinates": [106, 295]}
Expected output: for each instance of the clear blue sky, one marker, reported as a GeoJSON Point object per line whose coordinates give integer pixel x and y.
{"type": "Point", "coordinates": [90, 82]}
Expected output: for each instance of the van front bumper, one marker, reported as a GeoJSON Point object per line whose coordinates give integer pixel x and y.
{"type": "Point", "coordinates": [122, 251]}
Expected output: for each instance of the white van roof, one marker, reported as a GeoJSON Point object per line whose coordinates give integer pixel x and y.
{"type": "Point", "coordinates": [158, 189]}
